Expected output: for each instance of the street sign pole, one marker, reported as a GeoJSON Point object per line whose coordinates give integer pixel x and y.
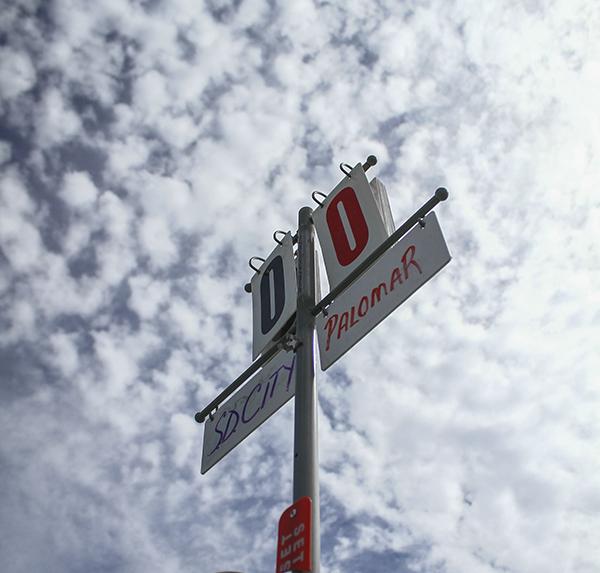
{"type": "Point", "coordinates": [306, 458]}
{"type": "Point", "coordinates": [359, 291]}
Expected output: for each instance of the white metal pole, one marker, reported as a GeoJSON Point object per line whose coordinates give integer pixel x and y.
{"type": "Point", "coordinates": [306, 457]}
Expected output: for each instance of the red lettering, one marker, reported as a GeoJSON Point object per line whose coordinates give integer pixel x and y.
{"type": "Point", "coordinates": [365, 300]}
{"type": "Point", "coordinates": [406, 263]}
{"type": "Point", "coordinates": [347, 201]}
{"type": "Point", "coordinates": [330, 327]}
{"type": "Point", "coordinates": [376, 293]}
{"type": "Point", "coordinates": [352, 320]}
{"type": "Point", "coordinates": [396, 277]}
{"type": "Point", "coordinates": [343, 323]}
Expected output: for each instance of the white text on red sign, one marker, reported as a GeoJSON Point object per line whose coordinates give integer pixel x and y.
{"type": "Point", "coordinates": [293, 537]}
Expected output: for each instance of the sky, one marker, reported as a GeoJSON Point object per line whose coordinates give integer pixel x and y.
{"type": "Point", "coordinates": [149, 148]}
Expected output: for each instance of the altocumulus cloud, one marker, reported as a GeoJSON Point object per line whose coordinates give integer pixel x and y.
{"type": "Point", "coordinates": [147, 149]}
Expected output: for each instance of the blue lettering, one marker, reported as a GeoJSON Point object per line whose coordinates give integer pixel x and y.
{"type": "Point", "coordinates": [244, 420]}
{"type": "Point", "coordinates": [265, 396]}
{"type": "Point", "coordinates": [218, 431]}
{"type": "Point", "coordinates": [231, 413]}
{"type": "Point", "coordinates": [275, 374]}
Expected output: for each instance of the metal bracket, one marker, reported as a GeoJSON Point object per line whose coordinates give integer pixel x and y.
{"type": "Point", "coordinates": [346, 169]}
{"type": "Point", "coordinates": [276, 239]}
{"type": "Point", "coordinates": [319, 203]}
{"type": "Point", "coordinates": [252, 266]}
{"type": "Point", "coordinates": [289, 342]}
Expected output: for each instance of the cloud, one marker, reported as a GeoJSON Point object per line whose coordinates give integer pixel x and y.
{"type": "Point", "coordinates": [151, 148]}
{"type": "Point", "coordinates": [56, 121]}
{"type": "Point", "coordinates": [78, 190]}
{"type": "Point", "coordinates": [5, 152]}
{"type": "Point", "coordinates": [157, 242]}
{"type": "Point", "coordinates": [21, 243]}
{"type": "Point", "coordinates": [147, 295]}
{"type": "Point", "coordinates": [17, 72]}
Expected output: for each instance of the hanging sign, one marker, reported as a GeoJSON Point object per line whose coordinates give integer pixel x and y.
{"type": "Point", "coordinates": [293, 537]}
{"type": "Point", "coordinates": [398, 273]}
{"type": "Point", "coordinates": [274, 292]}
{"type": "Point", "coordinates": [349, 225]}
{"type": "Point", "coordinates": [248, 408]}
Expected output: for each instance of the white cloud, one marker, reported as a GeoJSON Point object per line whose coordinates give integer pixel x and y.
{"type": "Point", "coordinates": [17, 73]}
{"type": "Point", "coordinates": [157, 242]}
{"type": "Point", "coordinates": [19, 238]}
{"type": "Point", "coordinates": [147, 295]}
{"type": "Point", "coordinates": [185, 320]}
{"type": "Point", "coordinates": [56, 122]}
{"type": "Point", "coordinates": [5, 152]}
{"type": "Point", "coordinates": [130, 153]}
{"type": "Point", "coordinates": [78, 190]}
{"type": "Point", "coordinates": [184, 433]}
{"type": "Point", "coordinates": [64, 353]}
{"type": "Point", "coordinates": [150, 93]}
{"type": "Point", "coordinates": [21, 318]}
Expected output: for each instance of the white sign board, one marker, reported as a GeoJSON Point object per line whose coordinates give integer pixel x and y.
{"type": "Point", "coordinates": [397, 274]}
{"type": "Point", "coordinates": [248, 408]}
{"type": "Point", "coordinates": [274, 292]}
{"type": "Point", "coordinates": [349, 226]}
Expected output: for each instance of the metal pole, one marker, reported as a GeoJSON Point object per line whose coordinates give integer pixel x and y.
{"type": "Point", "coordinates": [306, 458]}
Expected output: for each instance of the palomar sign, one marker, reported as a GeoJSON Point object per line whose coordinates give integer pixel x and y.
{"type": "Point", "coordinates": [397, 274]}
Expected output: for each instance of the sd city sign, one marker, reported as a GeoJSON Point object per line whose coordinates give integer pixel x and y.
{"type": "Point", "coordinates": [274, 292]}
{"type": "Point", "coordinates": [349, 225]}
{"type": "Point", "coordinates": [397, 274]}
{"type": "Point", "coordinates": [248, 408]}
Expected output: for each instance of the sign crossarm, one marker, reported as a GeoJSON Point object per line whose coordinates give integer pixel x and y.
{"type": "Point", "coordinates": [258, 363]}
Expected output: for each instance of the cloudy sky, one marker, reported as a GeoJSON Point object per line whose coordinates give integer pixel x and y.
{"type": "Point", "coordinates": [148, 148]}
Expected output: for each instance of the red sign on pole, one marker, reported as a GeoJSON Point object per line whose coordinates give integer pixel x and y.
{"type": "Point", "coordinates": [293, 541]}
{"type": "Point", "coordinates": [350, 224]}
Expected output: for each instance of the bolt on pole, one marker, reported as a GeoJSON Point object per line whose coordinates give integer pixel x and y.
{"type": "Point", "coordinates": [306, 458]}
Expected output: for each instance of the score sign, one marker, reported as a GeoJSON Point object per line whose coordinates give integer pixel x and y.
{"type": "Point", "coordinates": [349, 225]}
{"type": "Point", "coordinates": [293, 537]}
{"type": "Point", "coordinates": [274, 292]}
